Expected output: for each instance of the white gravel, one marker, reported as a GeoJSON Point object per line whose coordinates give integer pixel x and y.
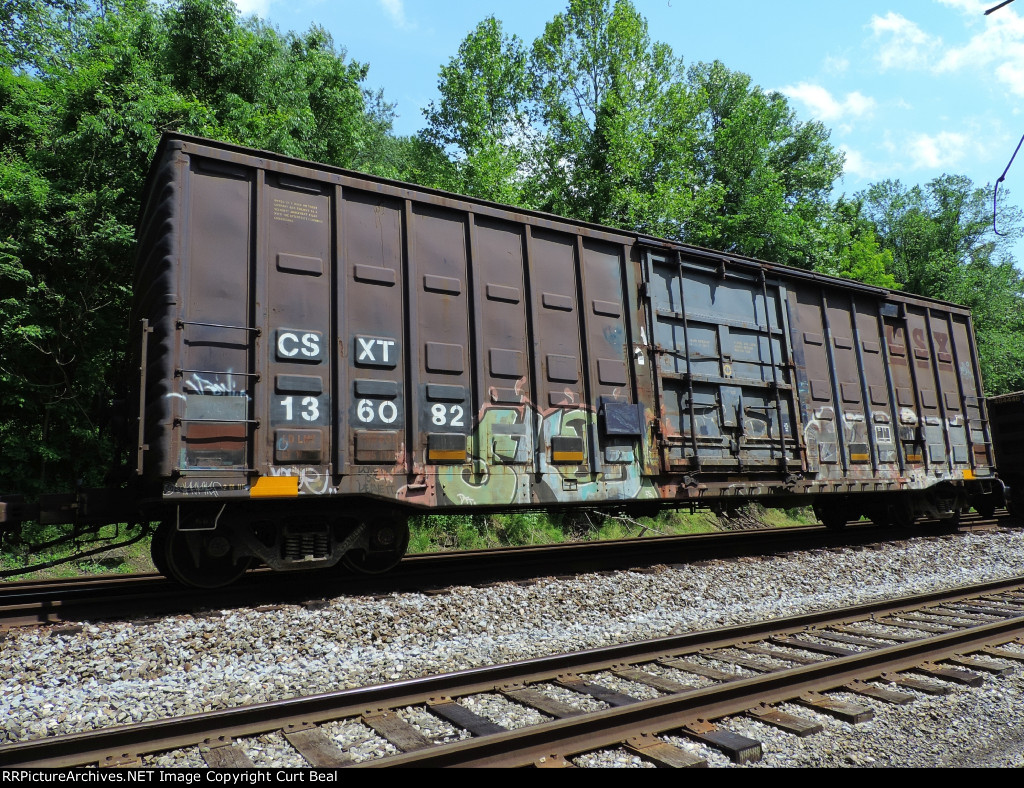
{"type": "Point", "coordinates": [115, 673]}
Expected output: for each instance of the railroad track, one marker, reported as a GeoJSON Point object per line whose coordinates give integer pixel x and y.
{"type": "Point", "coordinates": [36, 602]}
{"type": "Point", "coordinates": [875, 651]}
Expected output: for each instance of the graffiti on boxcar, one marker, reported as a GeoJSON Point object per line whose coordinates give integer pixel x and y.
{"type": "Point", "coordinates": [200, 385]}
{"type": "Point", "coordinates": [313, 480]}
{"type": "Point", "coordinates": [210, 489]}
{"type": "Point", "coordinates": [501, 470]}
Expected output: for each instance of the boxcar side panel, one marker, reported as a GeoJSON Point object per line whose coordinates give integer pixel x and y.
{"type": "Point", "coordinates": [879, 413]}
{"type": "Point", "coordinates": [504, 426]}
{"type": "Point", "coordinates": [975, 413]}
{"type": "Point", "coordinates": [296, 269]}
{"type": "Point", "coordinates": [215, 334]}
{"type": "Point", "coordinates": [371, 339]}
{"type": "Point", "coordinates": [439, 304]}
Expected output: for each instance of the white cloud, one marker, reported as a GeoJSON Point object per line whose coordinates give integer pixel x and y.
{"type": "Point", "coordinates": [824, 106]}
{"type": "Point", "coordinates": [997, 49]}
{"type": "Point", "coordinates": [902, 43]}
{"type": "Point", "coordinates": [396, 10]}
{"type": "Point", "coordinates": [835, 64]}
{"type": "Point", "coordinates": [937, 151]}
{"type": "Point", "coordinates": [859, 166]}
{"type": "Point", "coordinates": [259, 7]}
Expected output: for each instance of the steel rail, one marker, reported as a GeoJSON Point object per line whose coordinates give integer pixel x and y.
{"type": "Point", "coordinates": [34, 602]}
{"type": "Point", "coordinates": [122, 744]}
{"type": "Point", "coordinates": [30, 602]}
{"type": "Point", "coordinates": [616, 725]}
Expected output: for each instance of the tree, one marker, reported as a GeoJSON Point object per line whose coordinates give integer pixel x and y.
{"type": "Point", "coordinates": [943, 246]}
{"type": "Point", "coordinates": [482, 119]}
{"type": "Point", "coordinates": [606, 96]}
{"type": "Point", "coordinates": [85, 92]}
{"type": "Point", "coordinates": [852, 250]}
{"type": "Point", "coordinates": [768, 175]}
{"type": "Point", "coordinates": [604, 124]}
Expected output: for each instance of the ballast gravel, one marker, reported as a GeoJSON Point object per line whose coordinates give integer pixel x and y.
{"type": "Point", "coordinates": [117, 673]}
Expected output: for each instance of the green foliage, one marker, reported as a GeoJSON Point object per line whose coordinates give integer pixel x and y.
{"type": "Point", "coordinates": [85, 92]}
{"type": "Point", "coordinates": [851, 248]}
{"type": "Point", "coordinates": [943, 246]}
{"type": "Point", "coordinates": [481, 120]}
{"type": "Point", "coordinates": [122, 549]}
{"type": "Point", "coordinates": [431, 533]}
{"type": "Point", "coordinates": [767, 175]}
{"type": "Point", "coordinates": [601, 123]}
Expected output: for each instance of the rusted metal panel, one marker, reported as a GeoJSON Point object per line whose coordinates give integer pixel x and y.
{"type": "Point", "coordinates": [295, 266]}
{"type": "Point", "coordinates": [724, 363]}
{"type": "Point", "coordinates": [214, 343]}
{"type": "Point", "coordinates": [440, 369]}
{"type": "Point", "coordinates": [504, 437]}
{"type": "Point", "coordinates": [371, 341]}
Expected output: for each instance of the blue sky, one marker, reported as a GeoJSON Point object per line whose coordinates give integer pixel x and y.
{"type": "Point", "coordinates": [910, 88]}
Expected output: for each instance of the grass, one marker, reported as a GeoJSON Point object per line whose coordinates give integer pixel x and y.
{"type": "Point", "coordinates": [432, 533]}
{"type": "Point", "coordinates": [429, 533]}
{"type": "Point", "coordinates": [125, 559]}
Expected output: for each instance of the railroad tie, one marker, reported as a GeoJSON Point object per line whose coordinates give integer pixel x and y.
{"type": "Point", "coordinates": [954, 675]}
{"type": "Point", "coordinates": [221, 753]}
{"type": "Point", "coordinates": [896, 637]}
{"type": "Point", "coordinates": [921, 685]}
{"type": "Point", "coordinates": [699, 670]}
{"type": "Point", "coordinates": [916, 626]}
{"type": "Point", "coordinates": [660, 683]}
{"type": "Point", "coordinates": [661, 753]}
{"type": "Point", "coordinates": [853, 640]}
{"type": "Point", "coordinates": [448, 709]}
{"type": "Point", "coordinates": [791, 723]}
{"type": "Point", "coordinates": [798, 659]}
{"type": "Point", "coordinates": [854, 713]}
{"type": "Point", "coordinates": [396, 730]}
{"type": "Point", "coordinates": [573, 682]}
{"type": "Point", "coordinates": [744, 662]}
{"type": "Point", "coordinates": [979, 663]}
{"type": "Point", "coordinates": [313, 745]}
{"type": "Point", "coordinates": [818, 648]}
{"type": "Point", "coordinates": [535, 699]}
{"type": "Point", "coordinates": [879, 693]}
{"type": "Point", "coordinates": [739, 748]}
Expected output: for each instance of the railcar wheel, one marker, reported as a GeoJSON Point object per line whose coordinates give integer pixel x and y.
{"type": "Point", "coordinates": [158, 549]}
{"type": "Point", "coordinates": [388, 539]}
{"type": "Point", "coordinates": [984, 505]}
{"type": "Point", "coordinates": [834, 517]}
{"type": "Point", "coordinates": [200, 559]}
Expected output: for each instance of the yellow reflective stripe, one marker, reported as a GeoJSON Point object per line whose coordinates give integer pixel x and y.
{"type": "Point", "coordinates": [275, 487]}
{"type": "Point", "coordinates": [567, 456]}
{"type": "Point", "coordinates": [858, 458]}
{"type": "Point", "coordinates": [968, 473]}
{"type": "Point", "coordinates": [446, 454]}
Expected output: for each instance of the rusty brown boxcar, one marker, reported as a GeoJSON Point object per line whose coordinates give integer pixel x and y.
{"type": "Point", "coordinates": [324, 352]}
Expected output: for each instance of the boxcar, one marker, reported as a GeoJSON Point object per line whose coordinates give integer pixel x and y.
{"type": "Point", "coordinates": [323, 352]}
